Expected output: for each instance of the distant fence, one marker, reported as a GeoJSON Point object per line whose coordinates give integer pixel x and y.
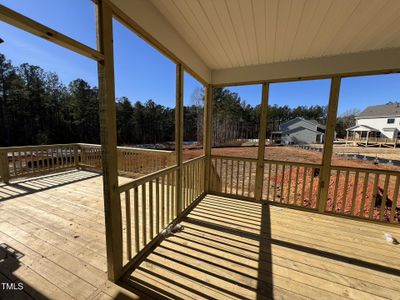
{"type": "Point", "coordinates": [24, 161]}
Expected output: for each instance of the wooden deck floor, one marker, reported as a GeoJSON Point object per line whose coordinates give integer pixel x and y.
{"type": "Point", "coordinates": [228, 249]}
{"type": "Point", "coordinates": [241, 250]}
{"type": "Point", "coordinates": [56, 225]}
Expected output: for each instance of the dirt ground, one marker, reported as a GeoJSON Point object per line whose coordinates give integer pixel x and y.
{"type": "Point", "coordinates": [281, 153]}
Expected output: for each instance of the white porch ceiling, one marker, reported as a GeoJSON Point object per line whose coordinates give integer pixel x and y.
{"type": "Point", "coordinates": [239, 33]}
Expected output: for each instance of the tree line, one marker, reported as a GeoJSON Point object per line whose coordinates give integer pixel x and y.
{"type": "Point", "coordinates": [37, 108]}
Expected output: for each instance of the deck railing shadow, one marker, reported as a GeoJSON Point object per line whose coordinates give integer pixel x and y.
{"type": "Point", "coordinates": [204, 248]}
{"type": "Point", "coordinates": [29, 186]}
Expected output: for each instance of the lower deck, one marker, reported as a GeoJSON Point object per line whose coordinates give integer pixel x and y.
{"type": "Point", "coordinates": [52, 240]}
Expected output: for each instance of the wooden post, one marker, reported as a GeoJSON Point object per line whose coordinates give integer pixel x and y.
{"type": "Point", "coordinates": [108, 135]}
{"type": "Point", "coordinates": [328, 145]}
{"type": "Point", "coordinates": [261, 142]}
{"type": "Point", "coordinates": [4, 167]}
{"type": "Point", "coordinates": [366, 139]}
{"type": "Point", "coordinates": [179, 136]}
{"type": "Point", "coordinates": [347, 136]}
{"type": "Point", "coordinates": [76, 155]}
{"type": "Point", "coordinates": [208, 104]}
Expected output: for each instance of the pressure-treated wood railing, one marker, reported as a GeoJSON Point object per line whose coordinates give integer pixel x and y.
{"type": "Point", "coordinates": [135, 161]}
{"type": "Point", "coordinates": [36, 160]}
{"type": "Point", "coordinates": [26, 161]}
{"type": "Point", "coordinates": [149, 204]}
{"type": "Point", "coordinates": [291, 183]}
{"type": "Point", "coordinates": [370, 194]}
{"type": "Point", "coordinates": [233, 175]}
{"type": "Point", "coordinates": [366, 193]}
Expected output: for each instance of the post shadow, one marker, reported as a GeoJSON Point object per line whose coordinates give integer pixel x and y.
{"type": "Point", "coordinates": [265, 266]}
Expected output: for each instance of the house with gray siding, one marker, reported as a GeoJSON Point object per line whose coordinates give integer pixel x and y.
{"type": "Point", "coordinates": [300, 131]}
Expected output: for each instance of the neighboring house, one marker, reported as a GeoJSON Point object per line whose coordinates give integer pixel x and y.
{"type": "Point", "coordinates": [299, 131]}
{"type": "Point", "coordinates": [378, 121]}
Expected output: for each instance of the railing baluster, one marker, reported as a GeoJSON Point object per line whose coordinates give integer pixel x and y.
{"type": "Point", "coordinates": [374, 195]}
{"type": "Point", "coordinates": [353, 198]}
{"type": "Point", "coordinates": [158, 205]}
{"type": "Point", "coordinates": [296, 186]}
{"type": "Point", "coordinates": [395, 199]}
{"type": "Point", "coordinates": [168, 198]}
{"type": "Point", "coordinates": [311, 186]}
{"type": "Point", "coordinates": [173, 191]}
{"type": "Point", "coordinates": [250, 177]}
{"type": "Point", "coordinates": [128, 224]}
{"type": "Point", "coordinates": [303, 186]}
{"type": "Point", "coordinates": [281, 199]}
{"type": "Point", "coordinates": [231, 182]}
{"type": "Point", "coordinates": [237, 176]}
{"type": "Point", "coordinates": [151, 212]}
{"type": "Point", "coordinates": [243, 177]}
{"type": "Point", "coordinates": [364, 192]}
{"type": "Point", "coordinates": [269, 181]}
{"type": "Point", "coordinates": [344, 199]}
{"type": "Point", "coordinates": [144, 221]}
{"type": "Point", "coordinates": [226, 175]}
{"type": "Point", "coordinates": [275, 181]}
{"type": "Point", "coordinates": [335, 192]}
{"type": "Point", "coordinates": [163, 201]}
{"type": "Point", "coordinates": [136, 216]}
{"type": "Point", "coordinates": [289, 184]}
{"type": "Point", "coordinates": [384, 197]}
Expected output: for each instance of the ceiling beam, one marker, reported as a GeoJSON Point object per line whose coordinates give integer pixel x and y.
{"type": "Point", "coordinates": [365, 63]}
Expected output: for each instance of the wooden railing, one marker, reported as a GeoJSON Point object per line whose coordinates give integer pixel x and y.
{"type": "Point", "coordinates": [366, 193]}
{"type": "Point", "coordinates": [291, 183]}
{"type": "Point", "coordinates": [26, 161]}
{"type": "Point", "coordinates": [36, 160]}
{"type": "Point", "coordinates": [373, 139]}
{"type": "Point", "coordinates": [233, 175]}
{"type": "Point", "coordinates": [150, 203]}
{"type": "Point", "coordinates": [370, 194]}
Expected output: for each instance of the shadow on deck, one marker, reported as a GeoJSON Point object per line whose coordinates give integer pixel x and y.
{"type": "Point", "coordinates": [33, 185]}
{"type": "Point", "coordinates": [232, 249]}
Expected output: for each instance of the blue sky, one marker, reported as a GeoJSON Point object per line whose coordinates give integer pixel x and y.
{"type": "Point", "coordinates": [143, 73]}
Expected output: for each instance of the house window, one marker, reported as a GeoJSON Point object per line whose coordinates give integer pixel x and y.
{"type": "Point", "coordinates": [390, 121]}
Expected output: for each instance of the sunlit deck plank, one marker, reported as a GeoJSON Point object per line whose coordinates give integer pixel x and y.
{"type": "Point", "coordinates": [242, 250]}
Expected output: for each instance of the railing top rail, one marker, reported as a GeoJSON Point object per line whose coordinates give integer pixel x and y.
{"type": "Point", "coordinates": [234, 157]}
{"type": "Point", "coordinates": [365, 170]}
{"type": "Point", "coordinates": [193, 159]}
{"type": "Point", "coordinates": [295, 163]}
{"type": "Point", "coordinates": [144, 179]}
{"type": "Point", "coordinates": [34, 147]}
{"type": "Point", "coordinates": [129, 148]}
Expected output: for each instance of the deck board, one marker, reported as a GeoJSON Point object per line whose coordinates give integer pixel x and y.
{"type": "Point", "coordinates": [234, 249]}
{"type": "Point", "coordinates": [56, 222]}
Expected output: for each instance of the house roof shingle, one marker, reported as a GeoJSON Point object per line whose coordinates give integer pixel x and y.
{"type": "Point", "coordinates": [386, 110]}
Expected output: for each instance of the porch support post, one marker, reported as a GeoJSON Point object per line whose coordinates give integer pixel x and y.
{"type": "Point", "coordinates": [4, 167]}
{"type": "Point", "coordinates": [366, 139]}
{"type": "Point", "coordinates": [179, 136]}
{"type": "Point", "coordinates": [208, 104]}
{"type": "Point", "coordinates": [347, 136]}
{"type": "Point", "coordinates": [328, 145]}
{"type": "Point", "coordinates": [261, 142]}
{"type": "Point", "coordinates": [108, 136]}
